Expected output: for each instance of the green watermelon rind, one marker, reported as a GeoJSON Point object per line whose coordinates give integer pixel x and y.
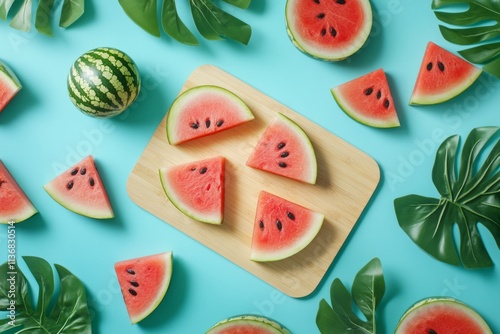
{"type": "Point", "coordinates": [8, 77]}
{"type": "Point", "coordinates": [249, 319]}
{"type": "Point", "coordinates": [176, 108]}
{"type": "Point", "coordinates": [420, 305]}
{"type": "Point", "coordinates": [346, 53]}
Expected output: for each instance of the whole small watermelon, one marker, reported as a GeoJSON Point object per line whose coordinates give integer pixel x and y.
{"type": "Point", "coordinates": [103, 82]}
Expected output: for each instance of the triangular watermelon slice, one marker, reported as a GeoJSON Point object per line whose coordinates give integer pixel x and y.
{"type": "Point", "coordinates": [282, 228]}
{"type": "Point", "coordinates": [9, 85]}
{"type": "Point", "coordinates": [204, 110]}
{"type": "Point", "coordinates": [248, 323]}
{"type": "Point", "coordinates": [442, 76]}
{"type": "Point", "coordinates": [285, 149]}
{"type": "Point", "coordinates": [197, 188]}
{"type": "Point", "coordinates": [81, 190]}
{"type": "Point", "coordinates": [368, 100]}
{"type": "Point", "coordinates": [15, 206]}
{"type": "Point", "coordinates": [144, 282]}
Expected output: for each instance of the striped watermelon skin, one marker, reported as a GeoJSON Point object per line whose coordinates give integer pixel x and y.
{"type": "Point", "coordinates": [103, 82]}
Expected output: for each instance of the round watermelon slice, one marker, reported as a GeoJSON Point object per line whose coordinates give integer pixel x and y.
{"type": "Point", "coordinates": [368, 100]}
{"type": "Point", "coordinates": [81, 190]}
{"type": "Point", "coordinates": [144, 282]}
{"type": "Point", "coordinates": [441, 315]}
{"type": "Point", "coordinates": [197, 188]}
{"type": "Point", "coordinates": [285, 149]}
{"type": "Point", "coordinates": [442, 76]}
{"type": "Point", "coordinates": [15, 205]}
{"type": "Point", "coordinates": [9, 85]}
{"type": "Point", "coordinates": [329, 30]}
{"type": "Point", "coordinates": [204, 110]}
{"type": "Point", "coordinates": [248, 324]}
{"type": "Point", "coordinates": [282, 228]}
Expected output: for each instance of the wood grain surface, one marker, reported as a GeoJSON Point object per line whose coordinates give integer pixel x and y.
{"type": "Point", "coordinates": [347, 178]}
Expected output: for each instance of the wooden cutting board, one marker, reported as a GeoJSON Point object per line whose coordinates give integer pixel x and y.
{"type": "Point", "coordinates": [346, 180]}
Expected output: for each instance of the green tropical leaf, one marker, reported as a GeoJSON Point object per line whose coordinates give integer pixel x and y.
{"type": "Point", "coordinates": [69, 315]}
{"type": "Point", "coordinates": [143, 13]}
{"type": "Point", "coordinates": [368, 288]}
{"type": "Point", "coordinates": [42, 18]}
{"type": "Point", "coordinates": [240, 3]}
{"type": "Point", "coordinates": [71, 11]}
{"type": "Point", "coordinates": [173, 25]}
{"type": "Point", "coordinates": [470, 194]}
{"type": "Point", "coordinates": [22, 20]}
{"type": "Point", "coordinates": [5, 8]}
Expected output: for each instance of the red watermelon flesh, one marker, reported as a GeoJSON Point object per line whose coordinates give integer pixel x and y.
{"type": "Point", "coordinates": [368, 100]}
{"type": "Point", "coordinates": [144, 282]}
{"type": "Point", "coordinates": [330, 30]}
{"type": "Point", "coordinates": [285, 149]}
{"type": "Point", "coordinates": [9, 85]}
{"type": "Point", "coordinates": [442, 76]}
{"type": "Point", "coordinates": [80, 189]}
{"type": "Point", "coordinates": [197, 188]}
{"type": "Point", "coordinates": [282, 228]}
{"type": "Point", "coordinates": [204, 110]}
{"type": "Point", "coordinates": [15, 205]}
{"type": "Point", "coordinates": [248, 324]}
{"type": "Point", "coordinates": [442, 316]}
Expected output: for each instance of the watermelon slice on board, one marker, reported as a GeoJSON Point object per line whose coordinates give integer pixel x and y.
{"type": "Point", "coordinates": [282, 228]}
{"type": "Point", "coordinates": [441, 315]}
{"type": "Point", "coordinates": [9, 85]}
{"type": "Point", "coordinates": [285, 149]}
{"type": "Point", "coordinates": [144, 281]}
{"type": "Point", "coordinates": [368, 100]}
{"type": "Point", "coordinates": [80, 189]}
{"type": "Point", "coordinates": [248, 324]}
{"type": "Point", "coordinates": [329, 30]}
{"type": "Point", "coordinates": [15, 206]}
{"type": "Point", "coordinates": [197, 188]}
{"type": "Point", "coordinates": [204, 110]}
{"type": "Point", "coordinates": [442, 76]}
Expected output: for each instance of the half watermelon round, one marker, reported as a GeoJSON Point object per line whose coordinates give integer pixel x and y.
{"type": "Point", "coordinates": [248, 324]}
{"type": "Point", "coordinates": [9, 85]}
{"type": "Point", "coordinates": [330, 30]}
{"type": "Point", "coordinates": [441, 315]}
{"type": "Point", "coordinates": [204, 110]}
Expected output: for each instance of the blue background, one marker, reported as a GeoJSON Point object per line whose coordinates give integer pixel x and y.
{"type": "Point", "coordinates": [41, 133]}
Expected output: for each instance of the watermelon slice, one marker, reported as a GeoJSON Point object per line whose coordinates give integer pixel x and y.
{"type": "Point", "coordinates": [81, 190]}
{"type": "Point", "coordinates": [329, 30]}
{"type": "Point", "coordinates": [204, 110]}
{"type": "Point", "coordinates": [285, 149]}
{"type": "Point", "coordinates": [442, 76]}
{"type": "Point", "coordinates": [9, 85]}
{"type": "Point", "coordinates": [368, 100]}
{"type": "Point", "coordinates": [15, 205]}
{"type": "Point", "coordinates": [197, 188]}
{"type": "Point", "coordinates": [441, 315]}
{"type": "Point", "coordinates": [248, 324]}
{"type": "Point", "coordinates": [144, 282]}
{"type": "Point", "coordinates": [282, 228]}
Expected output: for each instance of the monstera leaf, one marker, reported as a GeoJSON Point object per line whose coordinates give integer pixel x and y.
{"type": "Point", "coordinates": [211, 21]}
{"type": "Point", "coordinates": [470, 194]}
{"type": "Point", "coordinates": [476, 29]}
{"type": "Point", "coordinates": [71, 11]}
{"type": "Point", "coordinates": [368, 289]}
{"type": "Point", "coordinates": [69, 314]}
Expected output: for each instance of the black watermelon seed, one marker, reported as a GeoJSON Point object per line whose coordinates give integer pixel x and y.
{"type": "Point", "coordinates": [130, 271]}
{"type": "Point", "coordinates": [203, 170]}
{"type": "Point", "coordinates": [219, 123]}
{"type": "Point", "coordinates": [2, 182]}
{"type": "Point", "coordinates": [316, 1]}
{"type": "Point", "coordinates": [441, 66]}
{"type": "Point", "coordinates": [281, 145]}
{"type": "Point", "coordinates": [341, 2]}
{"type": "Point", "coordinates": [83, 171]}
{"type": "Point", "coordinates": [193, 169]}
{"type": "Point", "coordinates": [386, 103]}
{"type": "Point", "coordinates": [195, 125]}
{"type": "Point", "coordinates": [379, 95]}
{"type": "Point", "coordinates": [279, 225]}
{"type": "Point", "coordinates": [70, 185]}
{"type": "Point", "coordinates": [368, 91]}
{"type": "Point", "coordinates": [429, 66]}
{"type": "Point", "coordinates": [333, 32]}
{"type": "Point", "coordinates": [284, 154]}
{"type": "Point", "coordinates": [207, 123]}
{"type": "Point", "coordinates": [132, 292]}
{"type": "Point", "coordinates": [134, 283]}
{"type": "Point", "coordinates": [282, 164]}
{"type": "Point", "coordinates": [261, 225]}
{"type": "Point", "coordinates": [323, 32]}
{"type": "Point", "coordinates": [321, 15]}
{"type": "Point", "coordinates": [74, 171]}
{"type": "Point", "coordinates": [431, 331]}
{"type": "Point", "coordinates": [92, 182]}
{"type": "Point", "coordinates": [290, 215]}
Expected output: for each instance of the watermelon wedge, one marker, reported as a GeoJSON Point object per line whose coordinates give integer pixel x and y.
{"type": "Point", "coordinates": [9, 85]}
{"type": "Point", "coordinates": [329, 30]}
{"type": "Point", "coordinates": [441, 315]}
{"type": "Point", "coordinates": [368, 100]}
{"type": "Point", "coordinates": [204, 110]}
{"type": "Point", "coordinates": [282, 228]}
{"type": "Point", "coordinates": [197, 188]}
{"type": "Point", "coordinates": [144, 282]}
{"type": "Point", "coordinates": [442, 76]}
{"type": "Point", "coordinates": [285, 149]}
{"type": "Point", "coordinates": [15, 205]}
{"type": "Point", "coordinates": [248, 324]}
{"type": "Point", "coordinates": [81, 190]}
